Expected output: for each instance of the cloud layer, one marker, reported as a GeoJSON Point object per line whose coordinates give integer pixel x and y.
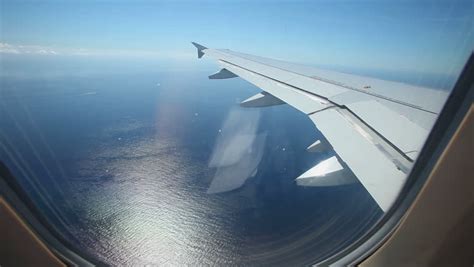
{"type": "Point", "coordinates": [26, 49]}
{"type": "Point", "coordinates": [6, 48]}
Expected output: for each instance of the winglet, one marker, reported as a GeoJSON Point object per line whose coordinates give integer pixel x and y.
{"type": "Point", "coordinates": [199, 48]}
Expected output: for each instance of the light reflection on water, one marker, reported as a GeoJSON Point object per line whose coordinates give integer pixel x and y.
{"type": "Point", "coordinates": [147, 208]}
{"type": "Point", "coordinates": [136, 175]}
{"type": "Point", "coordinates": [146, 205]}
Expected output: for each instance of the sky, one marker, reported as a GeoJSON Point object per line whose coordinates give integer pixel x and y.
{"type": "Point", "coordinates": [423, 36]}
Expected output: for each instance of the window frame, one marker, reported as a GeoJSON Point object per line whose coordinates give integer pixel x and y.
{"type": "Point", "coordinates": [456, 107]}
{"type": "Point", "coordinates": [23, 205]}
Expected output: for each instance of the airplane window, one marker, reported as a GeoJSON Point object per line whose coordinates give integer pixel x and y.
{"type": "Point", "coordinates": [138, 152]}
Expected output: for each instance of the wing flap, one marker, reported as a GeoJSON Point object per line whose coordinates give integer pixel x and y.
{"type": "Point", "coordinates": [407, 136]}
{"type": "Point", "coordinates": [379, 175]}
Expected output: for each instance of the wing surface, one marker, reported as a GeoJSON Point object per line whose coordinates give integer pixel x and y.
{"type": "Point", "coordinates": [376, 127]}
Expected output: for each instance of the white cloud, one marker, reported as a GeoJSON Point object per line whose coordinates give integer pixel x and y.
{"type": "Point", "coordinates": [26, 49]}
{"type": "Point", "coordinates": [237, 152]}
{"type": "Point", "coordinates": [19, 49]}
{"type": "Point", "coordinates": [6, 48]}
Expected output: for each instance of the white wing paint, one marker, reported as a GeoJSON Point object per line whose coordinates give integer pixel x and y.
{"type": "Point", "coordinates": [376, 127]}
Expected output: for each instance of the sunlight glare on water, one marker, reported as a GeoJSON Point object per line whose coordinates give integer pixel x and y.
{"type": "Point", "coordinates": [142, 180]}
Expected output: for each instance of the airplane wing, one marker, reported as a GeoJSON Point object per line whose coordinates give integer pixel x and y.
{"type": "Point", "coordinates": [376, 127]}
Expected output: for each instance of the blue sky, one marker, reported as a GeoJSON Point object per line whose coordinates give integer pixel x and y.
{"type": "Point", "coordinates": [426, 36]}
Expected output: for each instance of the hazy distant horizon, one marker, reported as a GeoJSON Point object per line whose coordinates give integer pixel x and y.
{"type": "Point", "coordinates": [401, 36]}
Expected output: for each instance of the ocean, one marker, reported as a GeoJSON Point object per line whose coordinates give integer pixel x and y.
{"type": "Point", "coordinates": [164, 168]}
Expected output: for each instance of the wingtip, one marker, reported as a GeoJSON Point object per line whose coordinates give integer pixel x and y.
{"type": "Point", "coordinates": [199, 48]}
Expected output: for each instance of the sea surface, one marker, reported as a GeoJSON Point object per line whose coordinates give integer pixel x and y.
{"type": "Point", "coordinates": [164, 168]}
